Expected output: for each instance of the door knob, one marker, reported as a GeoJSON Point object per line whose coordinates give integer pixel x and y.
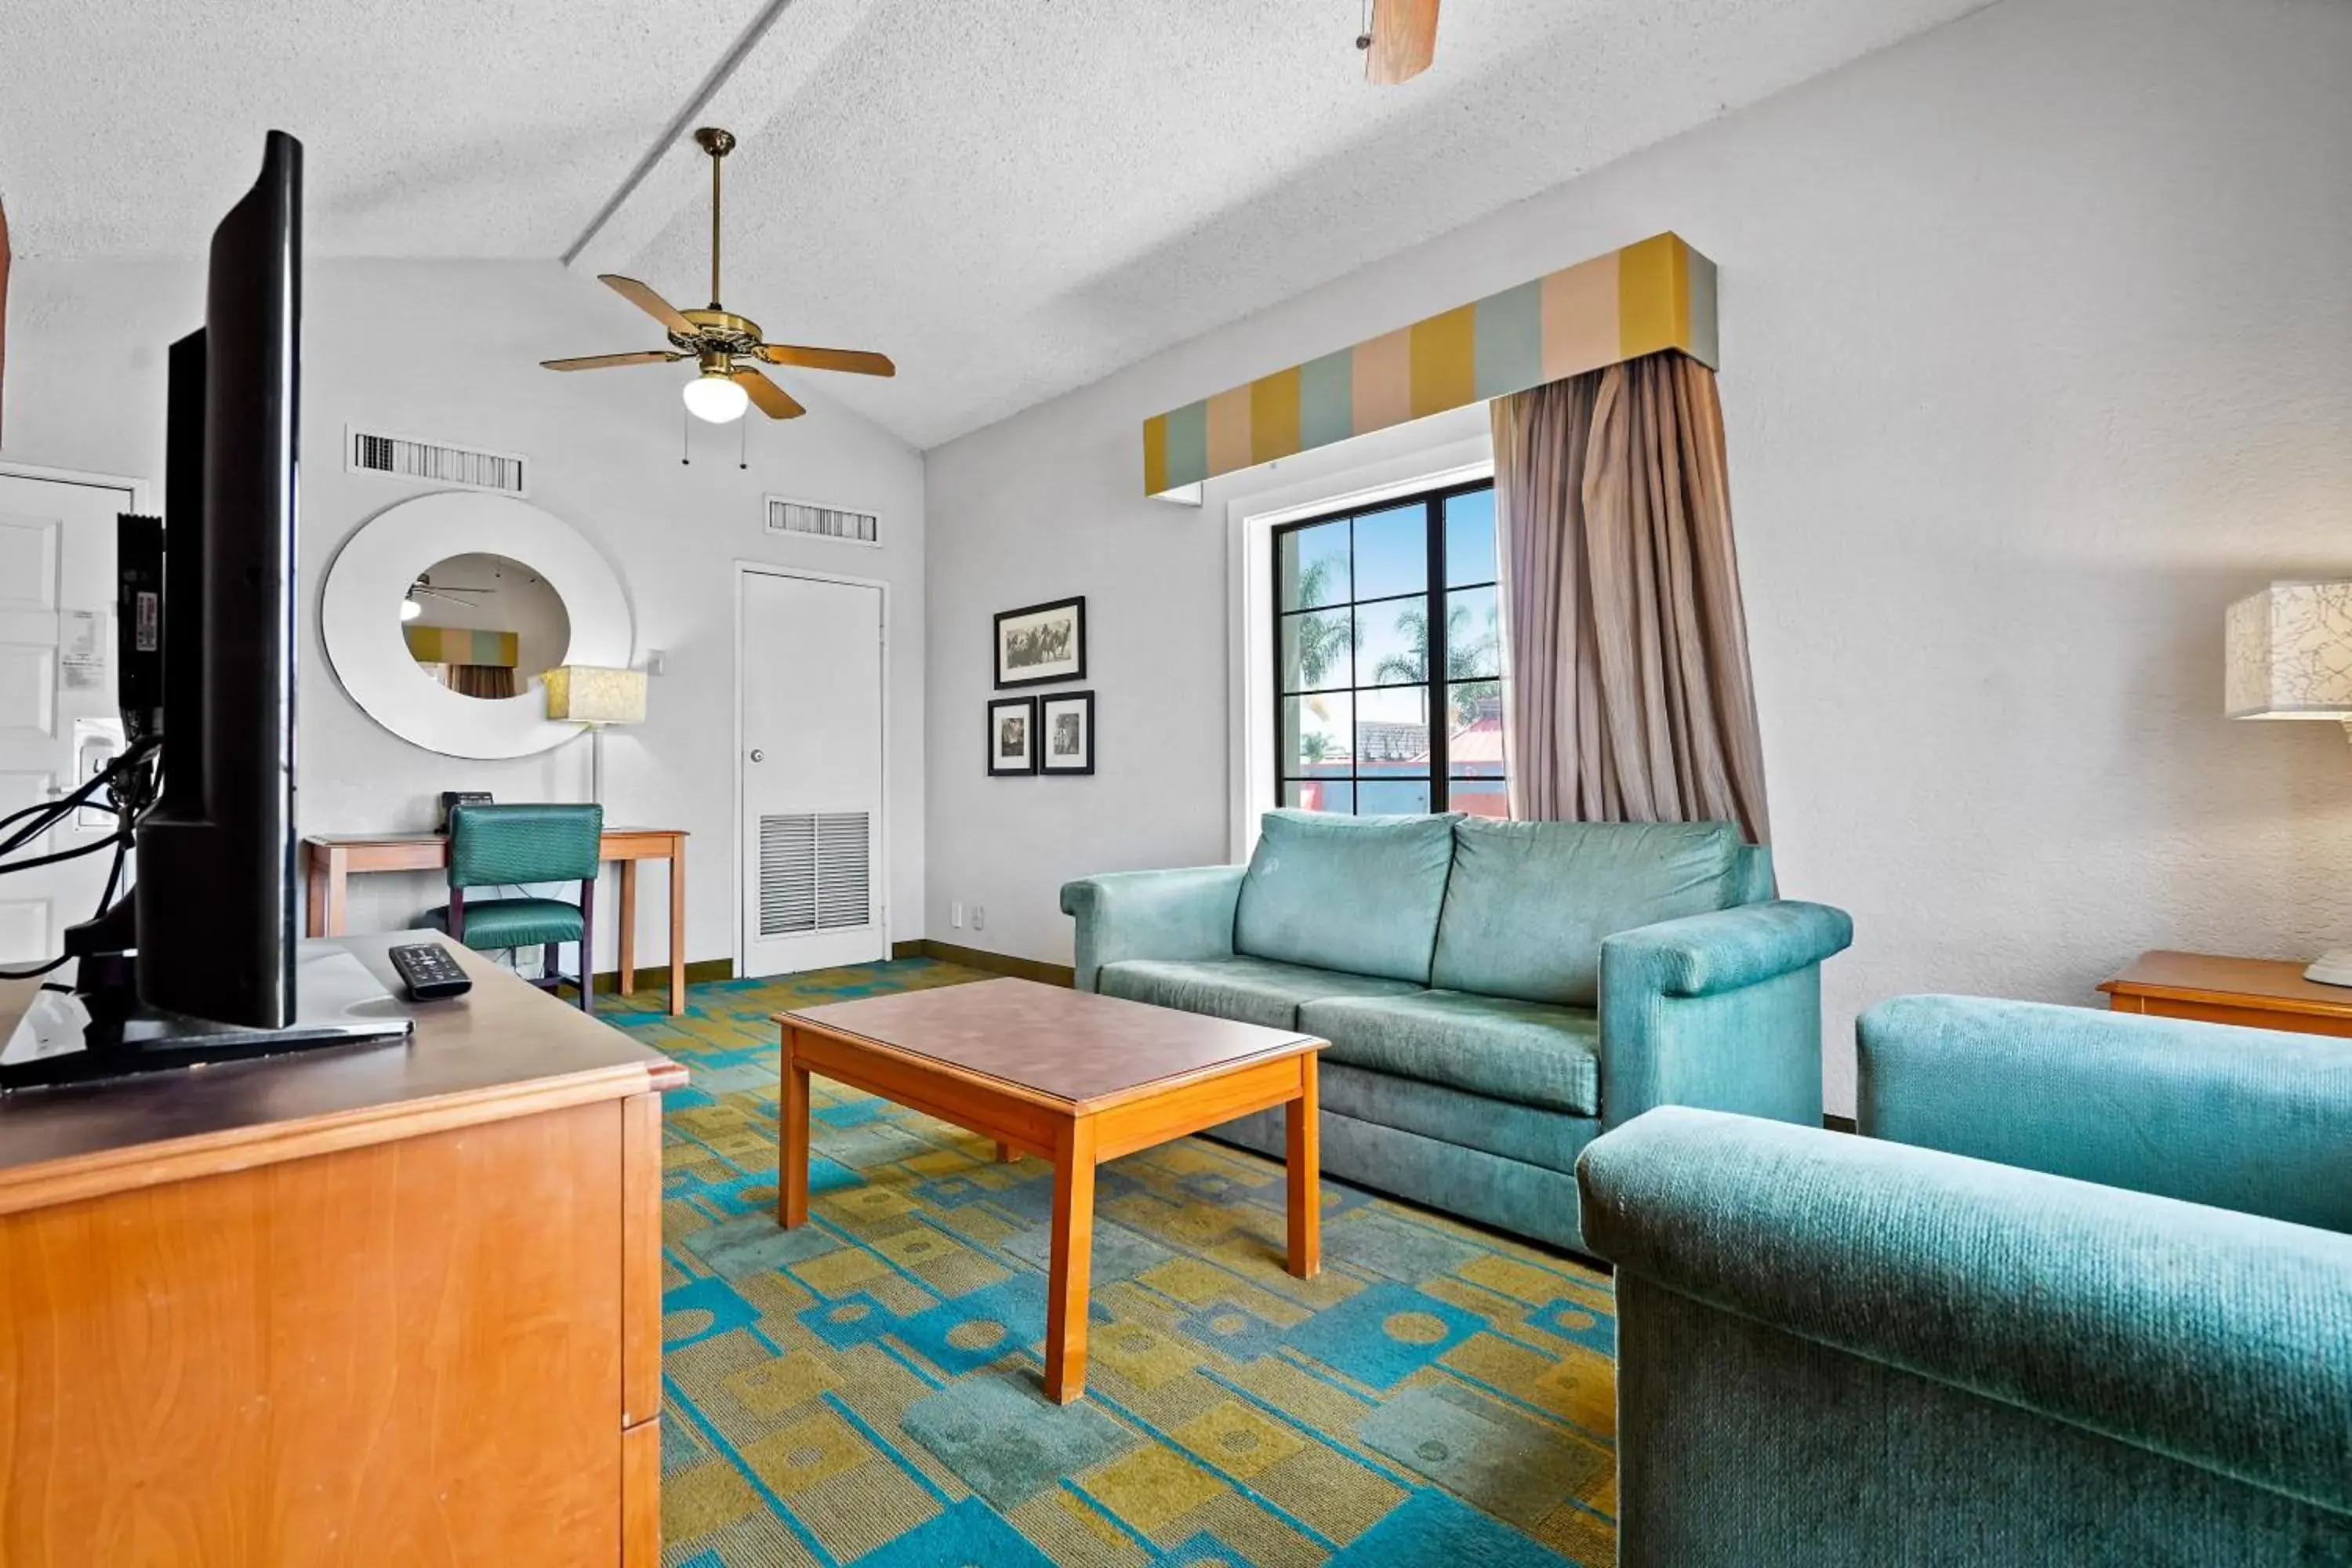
{"type": "Point", "coordinates": [757, 755]}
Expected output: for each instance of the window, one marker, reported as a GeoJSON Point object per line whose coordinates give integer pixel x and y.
{"type": "Point", "coordinates": [1357, 680]}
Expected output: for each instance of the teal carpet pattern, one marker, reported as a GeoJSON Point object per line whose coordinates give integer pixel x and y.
{"type": "Point", "coordinates": [865, 1390]}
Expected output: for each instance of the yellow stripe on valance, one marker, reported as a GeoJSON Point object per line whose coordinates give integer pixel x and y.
{"type": "Point", "coordinates": [1657, 294]}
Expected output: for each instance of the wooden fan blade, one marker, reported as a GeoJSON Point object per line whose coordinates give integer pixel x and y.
{"type": "Point", "coordinates": [606, 361]}
{"type": "Point", "coordinates": [646, 300]}
{"type": "Point", "coordinates": [857, 362]}
{"type": "Point", "coordinates": [772, 400]}
{"type": "Point", "coordinates": [1404, 40]}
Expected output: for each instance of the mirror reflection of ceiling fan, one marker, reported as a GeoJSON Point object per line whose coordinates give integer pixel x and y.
{"type": "Point", "coordinates": [1399, 40]}
{"type": "Point", "coordinates": [721, 342]}
{"type": "Point", "coordinates": [423, 588]}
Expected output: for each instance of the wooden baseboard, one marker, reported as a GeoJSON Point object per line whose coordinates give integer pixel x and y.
{"type": "Point", "coordinates": [1838, 1123]}
{"type": "Point", "coordinates": [656, 977]}
{"type": "Point", "coordinates": [995, 963]}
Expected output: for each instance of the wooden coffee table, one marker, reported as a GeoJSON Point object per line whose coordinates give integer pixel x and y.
{"type": "Point", "coordinates": [1069, 1077]}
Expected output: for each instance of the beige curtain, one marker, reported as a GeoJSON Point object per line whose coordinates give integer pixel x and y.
{"type": "Point", "coordinates": [1629, 697]}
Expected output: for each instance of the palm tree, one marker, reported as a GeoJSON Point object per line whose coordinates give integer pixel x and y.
{"type": "Point", "coordinates": [1321, 640]}
{"type": "Point", "coordinates": [1465, 660]}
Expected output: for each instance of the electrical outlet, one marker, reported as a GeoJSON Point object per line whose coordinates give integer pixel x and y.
{"type": "Point", "coordinates": [955, 914]}
{"type": "Point", "coordinates": [979, 917]}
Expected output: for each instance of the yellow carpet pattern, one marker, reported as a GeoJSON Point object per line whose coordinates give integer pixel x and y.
{"type": "Point", "coordinates": [866, 1389]}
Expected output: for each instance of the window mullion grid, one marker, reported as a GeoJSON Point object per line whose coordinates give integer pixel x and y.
{"type": "Point", "coordinates": [1434, 644]}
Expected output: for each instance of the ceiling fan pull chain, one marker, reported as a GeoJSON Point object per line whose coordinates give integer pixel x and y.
{"type": "Point", "coordinates": [743, 443]}
{"type": "Point", "coordinates": [685, 440]}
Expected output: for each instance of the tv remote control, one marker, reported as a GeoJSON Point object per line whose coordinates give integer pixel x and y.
{"type": "Point", "coordinates": [429, 973]}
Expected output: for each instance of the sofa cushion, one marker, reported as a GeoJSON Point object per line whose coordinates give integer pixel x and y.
{"type": "Point", "coordinates": [1528, 902]}
{"type": "Point", "coordinates": [1526, 1052]}
{"type": "Point", "coordinates": [1356, 894]}
{"type": "Point", "coordinates": [1253, 990]}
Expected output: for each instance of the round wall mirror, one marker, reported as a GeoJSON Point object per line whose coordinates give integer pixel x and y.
{"type": "Point", "coordinates": [501, 591]}
{"type": "Point", "coordinates": [484, 625]}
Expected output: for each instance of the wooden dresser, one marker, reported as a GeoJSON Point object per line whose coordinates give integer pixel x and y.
{"type": "Point", "coordinates": [376, 1304]}
{"type": "Point", "coordinates": [2262, 993]}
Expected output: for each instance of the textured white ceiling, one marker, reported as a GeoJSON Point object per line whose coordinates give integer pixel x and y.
{"type": "Point", "coordinates": [429, 127]}
{"type": "Point", "coordinates": [1011, 197]}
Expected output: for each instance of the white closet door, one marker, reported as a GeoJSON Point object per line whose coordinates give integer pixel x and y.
{"type": "Point", "coordinates": [810, 763]}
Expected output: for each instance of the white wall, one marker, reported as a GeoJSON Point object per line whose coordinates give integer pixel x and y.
{"type": "Point", "coordinates": [449, 351]}
{"type": "Point", "coordinates": [2037, 351]}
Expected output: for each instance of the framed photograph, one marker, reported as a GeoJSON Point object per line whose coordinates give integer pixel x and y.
{"type": "Point", "coordinates": [1042, 643]}
{"type": "Point", "coordinates": [1066, 732]}
{"type": "Point", "coordinates": [1011, 736]}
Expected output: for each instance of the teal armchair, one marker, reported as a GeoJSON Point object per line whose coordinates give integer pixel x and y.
{"type": "Point", "coordinates": [2081, 1295]}
{"type": "Point", "coordinates": [1495, 993]}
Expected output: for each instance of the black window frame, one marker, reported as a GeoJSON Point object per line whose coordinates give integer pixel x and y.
{"type": "Point", "coordinates": [1435, 680]}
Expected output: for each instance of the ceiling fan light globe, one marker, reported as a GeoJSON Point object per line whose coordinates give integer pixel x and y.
{"type": "Point", "coordinates": [410, 609]}
{"type": "Point", "coordinates": [715, 398]}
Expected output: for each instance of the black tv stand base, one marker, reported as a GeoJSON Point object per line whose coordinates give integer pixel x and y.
{"type": "Point", "coordinates": [87, 1037]}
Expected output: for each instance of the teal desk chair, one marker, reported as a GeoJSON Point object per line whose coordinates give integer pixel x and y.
{"type": "Point", "coordinates": [495, 845]}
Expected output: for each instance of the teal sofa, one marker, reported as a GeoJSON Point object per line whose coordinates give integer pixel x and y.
{"type": "Point", "coordinates": [1495, 993]}
{"type": "Point", "coordinates": [2081, 1295]}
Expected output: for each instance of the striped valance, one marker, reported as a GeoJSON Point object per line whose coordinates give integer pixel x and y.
{"type": "Point", "coordinates": [460, 645]}
{"type": "Point", "coordinates": [1657, 294]}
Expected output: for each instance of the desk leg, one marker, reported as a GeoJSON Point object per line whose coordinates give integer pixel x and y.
{"type": "Point", "coordinates": [1072, 1258]}
{"type": "Point", "coordinates": [792, 1141]}
{"type": "Point", "coordinates": [314, 882]}
{"type": "Point", "coordinates": [628, 926]}
{"type": "Point", "coordinates": [677, 927]}
{"type": "Point", "coordinates": [327, 912]}
{"type": "Point", "coordinates": [1303, 1148]}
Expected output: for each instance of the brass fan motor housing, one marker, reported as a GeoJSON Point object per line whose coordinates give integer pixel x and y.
{"type": "Point", "coordinates": [718, 332]}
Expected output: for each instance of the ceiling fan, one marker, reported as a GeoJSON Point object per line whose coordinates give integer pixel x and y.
{"type": "Point", "coordinates": [423, 588]}
{"type": "Point", "coordinates": [719, 341]}
{"type": "Point", "coordinates": [1400, 40]}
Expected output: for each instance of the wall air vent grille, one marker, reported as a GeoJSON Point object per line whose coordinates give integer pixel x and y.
{"type": "Point", "coordinates": [815, 872]}
{"type": "Point", "coordinates": [432, 462]}
{"type": "Point", "coordinates": [788, 516]}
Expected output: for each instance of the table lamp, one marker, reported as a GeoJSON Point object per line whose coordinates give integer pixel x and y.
{"type": "Point", "coordinates": [596, 695]}
{"type": "Point", "coordinates": [2290, 656]}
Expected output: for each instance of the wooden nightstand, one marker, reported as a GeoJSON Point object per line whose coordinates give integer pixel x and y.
{"type": "Point", "coordinates": [2262, 993]}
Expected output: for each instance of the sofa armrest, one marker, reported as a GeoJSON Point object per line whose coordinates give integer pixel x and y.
{"type": "Point", "coordinates": [1182, 913]}
{"type": "Point", "coordinates": [2216, 1338]}
{"type": "Point", "coordinates": [1701, 955]}
{"type": "Point", "coordinates": [2253, 1119]}
{"type": "Point", "coordinates": [1721, 1010]}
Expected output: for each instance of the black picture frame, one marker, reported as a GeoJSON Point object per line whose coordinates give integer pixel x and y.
{"type": "Point", "coordinates": [1084, 700]}
{"type": "Point", "coordinates": [1063, 669]}
{"type": "Point", "coordinates": [999, 709]}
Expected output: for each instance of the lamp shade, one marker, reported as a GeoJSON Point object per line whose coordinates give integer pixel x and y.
{"type": "Point", "coordinates": [2290, 653]}
{"type": "Point", "coordinates": [594, 694]}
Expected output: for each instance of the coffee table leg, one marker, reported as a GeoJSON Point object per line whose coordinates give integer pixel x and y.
{"type": "Point", "coordinates": [1006, 1153]}
{"type": "Point", "coordinates": [792, 1141]}
{"type": "Point", "coordinates": [1073, 1261]}
{"type": "Point", "coordinates": [1303, 1150]}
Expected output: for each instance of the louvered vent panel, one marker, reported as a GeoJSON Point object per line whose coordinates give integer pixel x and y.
{"type": "Point", "coordinates": [815, 872]}
{"type": "Point", "coordinates": [787, 874]}
{"type": "Point", "coordinates": [842, 895]}
{"type": "Point", "coordinates": [433, 462]}
{"type": "Point", "coordinates": [787, 516]}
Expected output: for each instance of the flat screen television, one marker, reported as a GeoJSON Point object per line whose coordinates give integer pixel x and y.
{"type": "Point", "coordinates": [215, 894]}
{"type": "Point", "coordinates": [200, 962]}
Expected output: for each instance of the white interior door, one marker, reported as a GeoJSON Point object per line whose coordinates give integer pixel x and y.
{"type": "Point", "coordinates": [811, 690]}
{"type": "Point", "coordinates": [58, 716]}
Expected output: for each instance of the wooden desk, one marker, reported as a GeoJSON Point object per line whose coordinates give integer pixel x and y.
{"type": "Point", "coordinates": [330, 860]}
{"type": "Point", "coordinates": [378, 1303]}
{"type": "Point", "coordinates": [2262, 993]}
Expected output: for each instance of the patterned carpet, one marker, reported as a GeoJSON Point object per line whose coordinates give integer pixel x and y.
{"type": "Point", "coordinates": [865, 1390]}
